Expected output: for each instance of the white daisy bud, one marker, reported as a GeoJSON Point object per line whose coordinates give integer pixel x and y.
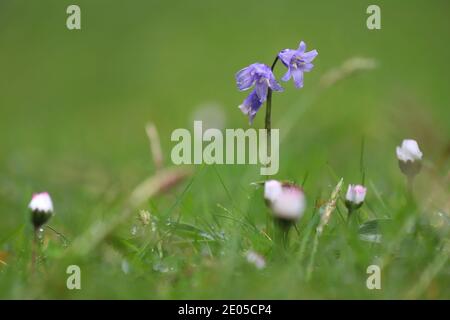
{"type": "Point", "coordinates": [409, 151]}
{"type": "Point", "coordinates": [409, 157]}
{"type": "Point", "coordinates": [286, 200]}
{"type": "Point", "coordinates": [41, 207]}
{"type": "Point", "coordinates": [355, 196]}
{"type": "Point", "coordinates": [355, 193]}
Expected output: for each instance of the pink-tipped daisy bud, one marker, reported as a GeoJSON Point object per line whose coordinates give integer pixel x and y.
{"type": "Point", "coordinates": [41, 207]}
{"type": "Point", "coordinates": [355, 196]}
{"type": "Point", "coordinates": [409, 157]}
{"type": "Point", "coordinates": [286, 200]}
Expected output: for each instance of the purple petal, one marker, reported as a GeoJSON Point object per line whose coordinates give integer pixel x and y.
{"type": "Point", "coordinates": [307, 67]}
{"type": "Point", "coordinates": [261, 90]}
{"type": "Point", "coordinates": [310, 55]}
{"type": "Point", "coordinates": [301, 47]}
{"type": "Point", "coordinates": [286, 56]}
{"type": "Point", "coordinates": [245, 78]}
{"type": "Point", "coordinates": [251, 117]}
{"type": "Point", "coordinates": [297, 74]}
{"type": "Point", "coordinates": [274, 85]}
{"type": "Point", "coordinates": [251, 105]}
{"type": "Point", "coordinates": [261, 69]}
{"type": "Point", "coordinates": [287, 75]}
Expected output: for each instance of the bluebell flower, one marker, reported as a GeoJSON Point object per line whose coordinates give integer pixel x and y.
{"type": "Point", "coordinates": [260, 76]}
{"type": "Point", "coordinates": [251, 105]}
{"type": "Point", "coordinates": [297, 61]}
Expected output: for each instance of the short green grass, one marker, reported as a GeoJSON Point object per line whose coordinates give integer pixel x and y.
{"type": "Point", "coordinates": [74, 106]}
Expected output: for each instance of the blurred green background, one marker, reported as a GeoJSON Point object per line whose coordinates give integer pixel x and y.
{"type": "Point", "coordinates": [74, 104]}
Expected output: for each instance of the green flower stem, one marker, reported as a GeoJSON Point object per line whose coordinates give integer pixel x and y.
{"type": "Point", "coordinates": [34, 250]}
{"type": "Point", "coordinates": [410, 184]}
{"type": "Point", "coordinates": [268, 125]}
{"type": "Point", "coordinates": [282, 228]}
{"type": "Point", "coordinates": [352, 217]}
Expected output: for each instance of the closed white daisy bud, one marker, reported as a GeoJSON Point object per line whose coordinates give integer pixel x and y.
{"type": "Point", "coordinates": [409, 151]}
{"type": "Point", "coordinates": [286, 200]}
{"type": "Point", "coordinates": [41, 207]}
{"type": "Point", "coordinates": [409, 157]}
{"type": "Point", "coordinates": [355, 196]}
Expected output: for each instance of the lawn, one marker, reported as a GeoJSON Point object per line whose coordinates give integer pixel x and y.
{"type": "Point", "coordinates": [74, 106]}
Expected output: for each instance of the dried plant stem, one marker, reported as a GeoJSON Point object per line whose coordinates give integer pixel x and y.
{"type": "Point", "coordinates": [310, 267]}
{"type": "Point", "coordinates": [155, 145]}
{"type": "Point", "coordinates": [329, 208]}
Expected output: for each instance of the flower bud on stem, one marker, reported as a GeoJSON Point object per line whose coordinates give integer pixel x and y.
{"type": "Point", "coordinates": [354, 199]}
{"type": "Point", "coordinates": [41, 207]}
{"type": "Point", "coordinates": [409, 161]}
{"type": "Point", "coordinates": [287, 204]}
